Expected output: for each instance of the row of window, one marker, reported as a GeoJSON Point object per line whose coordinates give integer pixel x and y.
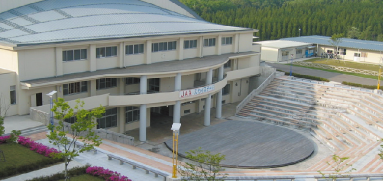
{"type": "Point", "coordinates": [103, 52]}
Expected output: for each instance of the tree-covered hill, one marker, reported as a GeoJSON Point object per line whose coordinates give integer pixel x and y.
{"type": "Point", "coordinates": [276, 19]}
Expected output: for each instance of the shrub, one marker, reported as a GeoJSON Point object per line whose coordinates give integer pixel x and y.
{"type": "Point", "coordinates": [308, 77]}
{"type": "Point", "coordinates": [75, 171]}
{"type": "Point", "coordinates": [106, 174]}
{"type": "Point", "coordinates": [4, 139]}
{"type": "Point", "coordinates": [361, 85]}
{"type": "Point", "coordinates": [37, 147]}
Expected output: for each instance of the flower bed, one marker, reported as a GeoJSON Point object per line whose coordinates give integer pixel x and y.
{"type": "Point", "coordinates": [37, 147]}
{"type": "Point", "coordinates": [106, 174]}
{"type": "Point", "coordinates": [3, 139]}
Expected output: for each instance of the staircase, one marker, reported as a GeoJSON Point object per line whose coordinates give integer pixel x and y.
{"type": "Point", "coordinates": [347, 120]}
{"type": "Point", "coordinates": [30, 131]}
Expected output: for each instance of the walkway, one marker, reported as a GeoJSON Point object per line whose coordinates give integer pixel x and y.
{"type": "Point", "coordinates": [332, 76]}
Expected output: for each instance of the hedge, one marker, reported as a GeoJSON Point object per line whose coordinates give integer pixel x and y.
{"type": "Point", "coordinates": [75, 171]}
{"type": "Point", "coordinates": [308, 77]}
{"type": "Point", "coordinates": [361, 85]}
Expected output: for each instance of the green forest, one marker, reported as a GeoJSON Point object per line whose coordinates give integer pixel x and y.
{"type": "Point", "coordinates": [275, 19]}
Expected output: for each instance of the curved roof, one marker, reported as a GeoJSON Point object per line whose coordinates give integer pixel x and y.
{"type": "Point", "coordinates": [55, 21]}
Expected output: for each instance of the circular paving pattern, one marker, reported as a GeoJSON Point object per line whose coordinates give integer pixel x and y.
{"type": "Point", "coordinates": [249, 144]}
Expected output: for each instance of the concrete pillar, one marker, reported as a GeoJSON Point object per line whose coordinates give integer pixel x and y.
{"type": "Point", "coordinates": [177, 106]}
{"type": "Point", "coordinates": [219, 45]}
{"type": "Point", "coordinates": [143, 84]}
{"type": "Point", "coordinates": [59, 61]}
{"type": "Point", "coordinates": [92, 58]}
{"type": "Point", "coordinates": [121, 119]}
{"type": "Point", "coordinates": [143, 123]}
{"type": "Point", "coordinates": [207, 111]}
{"type": "Point", "coordinates": [60, 92]}
{"type": "Point", "coordinates": [181, 49]}
{"type": "Point", "coordinates": [177, 112]}
{"type": "Point", "coordinates": [121, 86]}
{"type": "Point", "coordinates": [92, 89]}
{"type": "Point", "coordinates": [209, 80]}
{"type": "Point", "coordinates": [236, 42]}
{"type": "Point", "coordinates": [209, 77]}
{"type": "Point", "coordinates": [219, 95]}
{"type": "Point", "coordinates": [148, 52]}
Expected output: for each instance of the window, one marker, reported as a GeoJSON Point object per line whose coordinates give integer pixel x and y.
{"type": "Point", "coordinates": [106, 52]}
{"type": "Point", "coordinates": [70, 55]}
{"type": "Point", "coordinates": [198, 76]}
{"type": "Point", "coordinates": [132, 114]}
{"type": "Point", "coordinates": [106, 83]}
{"type": "Point", "coordinates": [329, 51]}
{"type": "Point", "coordinates": [356, 54]}
{"type": "Point", "coordinates": [132, 81]}
{"type": "Point", "coordinates": [187, 111]}
{"type": "Point", "coordinates": [227, 40]}
{"type": "Point", "coordinates": [134, 49]}
{"type": "Point", "coordinates": [12, 91]}
{"type": "Point", "coordinates": [226, 90]}
{"type": "Point", "coordinates": [154, 85]}
{"type": "Point", "coordinates": [285, 53]}
{"type": "Point", "coordinates": [188, 44]}
{"type": "Point", "coordinates": [108, 119]}
{"type": "Point", "coordinates": [227, 64]}
{"type": "Point", "coordinates": [74, 88]}
{"type": "Point", "coordinates": [71, 120]}
{"type": "Point", "coordinates": [344, 52]}
{"type": "Point", "coordinates": [164, 46]}
{"type": "Point", "coordinates": [209, 42]}
{"type": "Point", "coordinates": [299, 51]}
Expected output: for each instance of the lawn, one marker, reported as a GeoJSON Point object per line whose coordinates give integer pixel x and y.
{"type": "Point", "coordinates": [341, 63]}
{"type": "Point", "coordinates": [347, 73]}
{"type": "Point", "coordinates": [84, 177]}
{"type": "Point", "coordinates": [20, 159]}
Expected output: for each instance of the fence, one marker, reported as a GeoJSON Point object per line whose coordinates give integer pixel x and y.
{"type": "Point", "coordinates": [259, 89]}
{"type": "Point", "coordinates": [338, 68]}
{"type": "Point", "coordinates": [43, 117]}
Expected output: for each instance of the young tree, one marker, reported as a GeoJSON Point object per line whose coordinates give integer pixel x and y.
{"type": "Point", "coordinates": [338, 168]}
{"type": "Point", "coordinates": [65, 136]}
{"type": "Point", "coordinates": [205, 166]}
{"type": "Point", "coordinates": [353, 33]}
{"type": "Point", "coordinates": [4, 106]}
{"type": "Point", "coordinates": [335, 40]}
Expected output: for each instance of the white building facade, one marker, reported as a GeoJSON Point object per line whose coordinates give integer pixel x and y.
{"type": "Point", "coordinates": [132, 57]}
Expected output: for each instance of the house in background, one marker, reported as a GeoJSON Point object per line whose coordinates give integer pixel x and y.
{"type": "Point", "coordinates": [283, 50]}
{"type": "Point", "coordinates": [137, 58]}
{"type": "Point", "coordinates": [349, 49]}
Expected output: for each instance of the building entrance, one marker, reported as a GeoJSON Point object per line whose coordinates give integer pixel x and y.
{"type": "Point", "coordinates": [161, 115]}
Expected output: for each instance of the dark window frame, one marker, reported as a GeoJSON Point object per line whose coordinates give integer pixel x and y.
{"type": "Point", "coordinates": [110, 117]}
{"type": "Point", "coordinates": [12, 92]}
{"type": "Point", "coordinates": [70, 55]}
{"type": "Point", "coordinates": [164, 46]}
{"type": "Point", "coordinates": [106, 83]}
{"type": "Point", "coordinates": [75, 88]}
{"type": "Point", "coordinates": [102, 52]}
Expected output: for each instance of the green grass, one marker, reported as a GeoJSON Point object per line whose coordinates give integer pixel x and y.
{"type": "Point", "coordinates": [341, 63]}
{"type": "Point", "coordinates": [347, 73]}
{"type": "Point", "coordinates": [20, 159]}
{"type": "Point", "coordinates": [84, 177]}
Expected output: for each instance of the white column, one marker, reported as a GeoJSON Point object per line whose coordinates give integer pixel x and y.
{"type": "Point", "coordinates": [181, 49]}
{"type": "Point", "coordinates": [236, 41]}
{"type": "Point", "coordinates": [92, 58]}
{"type": "Point", "coordinates": [177, 106]}
{"type": "Point", "coordinates": [209, 80]}
{"type": "Point", "coordinates": [121, 119]}
{"type": "Point", "coordinates": [148, 52]}
{"type": "Point", "coordinates": [143, 122]}
{"type": "Point", "coordinates": [59, 61]}
{"type": "Point", "coordinates": [143, 84]}
{"type": "Point", "coordinates": [93, 88]}
{"type": "Point", "coordinates": [121, 86]}
{"type": "Point", "coordinates": [143, 90]}
{"type": "Point", "coordinates": [219, 95]}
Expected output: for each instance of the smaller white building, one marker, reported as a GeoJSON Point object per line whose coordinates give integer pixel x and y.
{"type": "Point", "coordinates": [283, 50]}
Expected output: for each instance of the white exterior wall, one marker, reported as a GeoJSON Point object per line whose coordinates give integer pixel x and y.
{"type": "Point", "coordinates": [6, 81]}
{"type": "Point", "coordinates": [270, 54]}
{"type": "Point", "coordinates": [27, 98]}
{"type": "Point", "coordinates": [37, 63]}
{"type": "Point", "coordinates": [245, 42]}
{"type": "Point", "coordinates": [8, 60]}
{"type": "Point", "coordinates": [75, 66]}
